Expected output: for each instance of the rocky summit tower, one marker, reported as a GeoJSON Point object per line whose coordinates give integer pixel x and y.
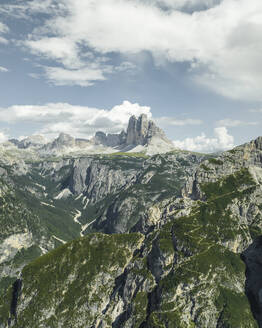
{"type": "Point", "coordinates": [140, 130]}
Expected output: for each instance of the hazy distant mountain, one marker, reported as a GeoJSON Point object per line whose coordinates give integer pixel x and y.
{"type": "Point", "coordinates": [142, 135]}
{"type": "Point", "coordinates": [34, 141]}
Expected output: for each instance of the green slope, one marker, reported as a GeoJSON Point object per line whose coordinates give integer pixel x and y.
{"type": "Point", "coordinates": [187, 272]}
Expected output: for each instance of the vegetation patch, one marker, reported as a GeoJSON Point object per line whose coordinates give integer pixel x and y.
{"type": "Point", "coordinates": [215, 161]}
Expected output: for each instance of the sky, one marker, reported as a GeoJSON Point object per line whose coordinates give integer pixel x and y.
{"type": "Point", "coordinates": [79, 66]}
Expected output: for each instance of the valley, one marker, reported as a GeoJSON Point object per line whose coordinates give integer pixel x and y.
{"type": "Point", "coordinates": [132, 240]}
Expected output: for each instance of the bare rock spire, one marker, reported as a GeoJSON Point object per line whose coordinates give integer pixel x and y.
{"type": "Point", "coordinates": [141, 130]}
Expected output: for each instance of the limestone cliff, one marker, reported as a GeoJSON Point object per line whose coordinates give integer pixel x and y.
{"type": "Point", "coordinates": [142, 135]}
{"type": "Point", "coordinates": [180, 243]}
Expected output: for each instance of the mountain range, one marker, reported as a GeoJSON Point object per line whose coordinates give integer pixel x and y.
{"type": "Point", "coordinates": [142, 135]}
{"type": "Point", "coordinates": [146, 236]}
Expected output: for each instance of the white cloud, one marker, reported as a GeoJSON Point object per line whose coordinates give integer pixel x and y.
{"type": "Point", "coordinates": [228, 122]}
{"type": "Point", "coordinates": [78, 68]}
{"type": "Point", "coordinates": [3, 69]}
{"type": "Point", "coordinates": [22, 9]}
{"type": "Point", "coordinates": [3, 29]}
{"type": "Point", "coordinates": [222, 39]}
{"type": "Point", "coordinates": [80, 121]}
{"type": "Point", "coordinates": [256, 110]}
{"type": "Point", "coordinates": [3, 40]}
{"type": "Point", "coordinates": [3, 137]}
{"type": "Point", "coordinates": [34, 75]}
{"type": "Point", "coordinates": [187, 4]}
{"type": "Point", "coordinates": [50, 6]}
{"type": "Point", "coordinates": [165, 121]}
{"type": "Point", "coordinates": [223, 42]}
{"type": "Point", "coordinates": [221, 141]}
{"type": "Point", "coordinates": [60, 49]}
{"type": "Point", "coordinates": [83, 77]}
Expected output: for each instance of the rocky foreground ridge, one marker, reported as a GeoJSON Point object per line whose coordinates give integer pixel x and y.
{"type": "Point", "coordinates": [128, 240]}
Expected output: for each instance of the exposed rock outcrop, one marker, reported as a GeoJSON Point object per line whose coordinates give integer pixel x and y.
{"type": "Point", "coordinates": [142, 135]}
{"type": "Point", "coordinates": [66, 142]}
{"type": "Point", "coordinates": [110, 140]}
{"type": "Point", "coordinates": [176, 225]}
{"type": "Point", "coordinates": [248, 155]}
{"type": "Point", "coordinates": [35, 141]}
{"type": "Point", "coordinates": [140, 131]}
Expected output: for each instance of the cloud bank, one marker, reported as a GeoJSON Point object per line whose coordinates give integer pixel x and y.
{"type": "Point", "coordinates": [3, 29]}
{"type": "Point", "coordinates": [220, 40]}
{"type": "Point", "coordinates": [228, 122]}
{"type": "Point", "coordinates": [79, 121]}
{"type": "Point", "coordinates": [3, 69]}
{"type": "Point", "coordinates": [172, 121]}
{"type": "Point", "coordinates": [221, 141]}
{"type": "Point", "coordinates": [83, 121]}
{"type": "Point", "coordinates": [3, 137]}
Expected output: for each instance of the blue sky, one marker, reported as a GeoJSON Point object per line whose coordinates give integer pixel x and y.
{"type": "Point", "coordinates": [78, 66]}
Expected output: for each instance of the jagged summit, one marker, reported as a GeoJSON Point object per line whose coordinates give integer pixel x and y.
{"type": "Point", "coordinates": [110, 140]}
{"type": "Point", "coordinates": [32, 141]}
{"type": "Point", "coordinates": [165, 235]}
{"type": "Point", "coordinates": [64, 139]}
{"type": "Point", "coordinates": [140, 130]}
{"type": "Point", "coordinates": [142, 135]}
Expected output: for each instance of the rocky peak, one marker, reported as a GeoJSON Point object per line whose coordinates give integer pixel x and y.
{"type": "Point", "coordinates": [63, 140]}
{"type": "Point", "coordinates": [109, 140]}
{"type": "Point", "coordinates": [142, 134]}
{"type": "Point", "coordinates": [100, 137]}
{"type": "Point", "coordinates": [14, 141]}
{"type": "Point", "coordinates": [32, 141]}
{"type": "Point", "coordinates": [140, 130]}
{"type": "Point", "coordinates": [258, 143]}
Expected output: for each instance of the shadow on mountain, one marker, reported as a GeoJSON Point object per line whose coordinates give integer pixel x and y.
{"type": "Point", "coordinates": [252, 257]}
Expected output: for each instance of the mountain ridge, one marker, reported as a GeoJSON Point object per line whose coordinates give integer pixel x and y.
{"type": "Point", "coordinates": [195, 218]}
{"type": "Point", "coordinates": [141, 135]}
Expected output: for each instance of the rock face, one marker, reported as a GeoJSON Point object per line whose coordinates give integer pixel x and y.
{"type": "Point", "coordinates": [57, 200]}
{"type": "Point", "coordinates": [65, 141]}
{"type": "Point", "coordinates": [35, 141]}
{"type": "Point", "coordinates": [110, 140]}
{"type": "Point", "coordinates": [142, 135]}
{"type": "Point", "coordinates": [171, 240]}
{"type": "Point", "coordinates": [22, 234]}
{"type": "Point", "coordinates": [184, 271]}
{"type": "Point", "coordinates": [140, 131]}
{"type": "Point", "coordinates": [96, 180]}
{"type": "Point", "coordinates": [245, 156]}
{"type": "Point", "coordinates": [253, 261]}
